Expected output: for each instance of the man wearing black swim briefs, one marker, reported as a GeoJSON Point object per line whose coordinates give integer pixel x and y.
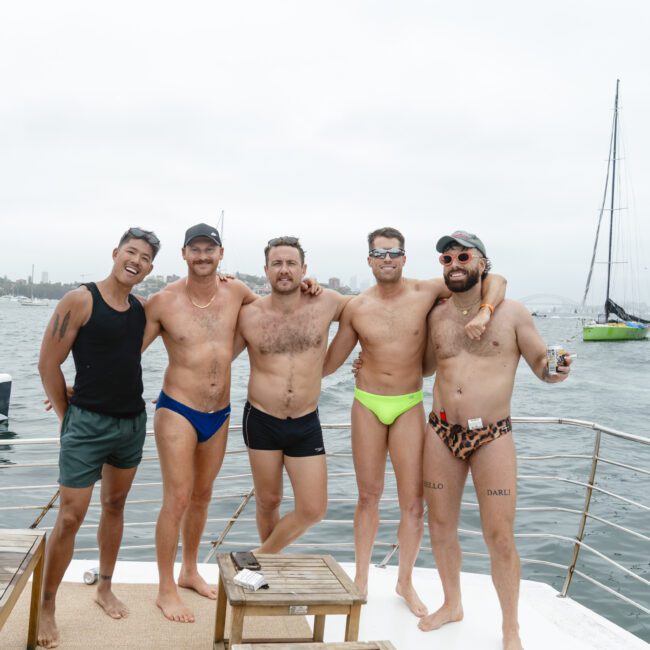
{"type": "Point", "coordinates": [469, 426]}
{"type": "Point", "coordinates": [103, 424]}
{"type": "Point", "coordinates": [286, 335]}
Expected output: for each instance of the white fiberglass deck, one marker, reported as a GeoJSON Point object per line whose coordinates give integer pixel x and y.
{"type": "Point", "coordinates": [546, 620]}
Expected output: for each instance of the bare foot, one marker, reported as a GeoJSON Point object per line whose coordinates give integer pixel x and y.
{"type": "Point", "coordinates": [112, 605]}
{"type": "Point", "coordinates": [197, 583]}
{"type": "Point", "coordinates": [48, 633]}
{"type": "Point", "coordinates": [413, 601]}
{"type": "Point", "coordinates": [511, 641]}
{"type": "Point", "coordinates": [446, 614]}
{"type": "Point", "coordinates": [174, 608]}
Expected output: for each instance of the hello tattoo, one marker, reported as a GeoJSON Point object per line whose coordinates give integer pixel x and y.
{"type": "Point", "coordinates": [432, 486]}
{"type": "Point", "coordinates": [64, 325]}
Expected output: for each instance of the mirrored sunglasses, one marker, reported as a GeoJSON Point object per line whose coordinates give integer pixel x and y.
{"type": "Point", "coordinates": [380, 253]}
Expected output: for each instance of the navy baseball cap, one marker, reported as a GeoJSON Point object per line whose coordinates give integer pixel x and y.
{"type": "Point", "coordinates": [202, 230]}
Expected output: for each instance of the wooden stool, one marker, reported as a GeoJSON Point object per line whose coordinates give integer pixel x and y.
{"type": "Point", "coordinates": [341, 645]}
{"type": "Point", "coordinates": [298, 585]}
{"type": "Point", "coordinates": [22, 552]}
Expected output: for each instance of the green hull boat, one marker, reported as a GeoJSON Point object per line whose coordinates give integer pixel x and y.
{"type": "Point", "coordinates": [613, 332]}
{"type": "Point", "coordinates": [629, 327]}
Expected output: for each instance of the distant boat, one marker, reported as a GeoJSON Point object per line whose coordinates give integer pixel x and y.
{"type": "Point", "coordinates": [615, 324]}
{"type": "Point", "coordinates": [31, 301]}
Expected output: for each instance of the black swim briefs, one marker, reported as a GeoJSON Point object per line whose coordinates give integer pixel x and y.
{"type": "Point", "coordinates": [301, 436]}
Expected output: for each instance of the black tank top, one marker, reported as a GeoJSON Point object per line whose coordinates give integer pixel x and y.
{"type": "Point", "coordinates": [107, 359]}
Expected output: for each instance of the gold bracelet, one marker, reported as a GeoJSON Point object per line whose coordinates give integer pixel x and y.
{"type": "Point", "coordinates": [489, 306]}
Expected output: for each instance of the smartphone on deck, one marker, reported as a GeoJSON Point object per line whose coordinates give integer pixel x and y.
{"type": "Point", "coordinates": [245, 560]}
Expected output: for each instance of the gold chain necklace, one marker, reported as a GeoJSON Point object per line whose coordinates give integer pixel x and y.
{"type": "Point", "coordinates": [187, 291]}
{"type": "Point", "coordinates": [465, 310]}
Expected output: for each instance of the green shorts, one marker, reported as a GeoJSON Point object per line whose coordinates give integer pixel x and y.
{"type": "Point", "coordinates": [89, 439]}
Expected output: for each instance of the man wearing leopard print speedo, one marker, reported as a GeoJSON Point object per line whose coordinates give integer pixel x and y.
{"type": "Point", "coordinates": [469, 426]}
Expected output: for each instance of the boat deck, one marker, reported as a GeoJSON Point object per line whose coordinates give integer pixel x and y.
{"type": "Point", "coordinates": [546, 620]}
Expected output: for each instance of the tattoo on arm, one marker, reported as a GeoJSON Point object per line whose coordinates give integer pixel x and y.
{"type": "Point", "coordinates": [64, 325]}
{"type": "Point", "coordinates": [55, 326]}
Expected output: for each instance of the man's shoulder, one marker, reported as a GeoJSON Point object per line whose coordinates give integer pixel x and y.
{"type": "Point", "coordinates": [80, 296]}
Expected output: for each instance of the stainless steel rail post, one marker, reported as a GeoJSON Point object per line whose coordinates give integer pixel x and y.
{"type": "Point", "coordinates": [583, 518]}
{"type": "Point", "coordinates": [217, 543]}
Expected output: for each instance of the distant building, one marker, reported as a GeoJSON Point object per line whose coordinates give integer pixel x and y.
{"type": "Point", "coordinates": [172, 278]}
{"type": "Point", "coordinates": [364, 285]}
{"type": "Point", "coordinates": [353, 283]}
{"type": "Point", "coordinates": [334, 283]}
{"type": "Point", "coordinates": [45, 277]}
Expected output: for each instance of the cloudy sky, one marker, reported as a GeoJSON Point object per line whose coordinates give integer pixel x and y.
{"type": "Point", "coordinates": [323, 120]}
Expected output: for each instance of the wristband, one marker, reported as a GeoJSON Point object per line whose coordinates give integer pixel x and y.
{"type": "Point", "coordinates": [489, 306]}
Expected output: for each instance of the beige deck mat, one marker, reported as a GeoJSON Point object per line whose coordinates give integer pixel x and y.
{"type": "Point", "coordinates": [83, 624]}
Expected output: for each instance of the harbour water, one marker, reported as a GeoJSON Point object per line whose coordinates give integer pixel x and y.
{"type": "Point", "coordinates": [609, 385]}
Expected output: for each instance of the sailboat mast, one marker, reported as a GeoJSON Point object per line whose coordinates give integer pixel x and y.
{"type": "Point", "coordinates": [611, 208]}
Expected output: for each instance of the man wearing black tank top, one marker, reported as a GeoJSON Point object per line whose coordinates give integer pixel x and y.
{"type": "Point", "coordinates": [103, 423]}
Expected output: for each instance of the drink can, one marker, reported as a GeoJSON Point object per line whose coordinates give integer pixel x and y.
{"type": "Point", "coordinates": [91, 576]}
{"type": "Point", "coordinates": [555, 357]}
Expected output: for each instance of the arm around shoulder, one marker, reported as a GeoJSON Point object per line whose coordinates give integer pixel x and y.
{"type": "Point", "coordinates": [344, 341]}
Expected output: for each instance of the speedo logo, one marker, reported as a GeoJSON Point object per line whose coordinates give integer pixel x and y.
{"type": "Point", "coordinates": [319, 449]}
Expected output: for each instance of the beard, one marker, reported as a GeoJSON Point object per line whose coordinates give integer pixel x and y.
{"type": "Point", "coordinates": [463, 284]}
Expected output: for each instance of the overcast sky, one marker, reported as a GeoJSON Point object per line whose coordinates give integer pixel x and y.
{"type": "Point", "coordinates": [323, 120]}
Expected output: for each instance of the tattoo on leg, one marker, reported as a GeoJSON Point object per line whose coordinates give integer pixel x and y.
{"type": "Point", "coordinates": [103, 577]}
{"type": "Point", "coordinates": [498, 493]}
{"type": "Point", "coordinates": [64, 326]}
{"type": "Point", "coordinates": [49, 595]}
{"type": "Point", "coordinates": [55, 326]}
{"type": "Point", "coordinates": [432, 485]}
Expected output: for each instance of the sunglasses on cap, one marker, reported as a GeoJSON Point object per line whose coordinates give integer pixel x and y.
{"type": "Point", "coordinates": [380, 253]}
{"type": "Point", "coordinates": [139, 233]}
{"type": "Point", "coordinates": [283, 241]}
{"type": "Point", "coordinates": [463, 258]}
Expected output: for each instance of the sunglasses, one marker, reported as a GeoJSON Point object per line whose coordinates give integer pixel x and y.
{"type": "Point", "coordinates": [380, 253]}
{"type": "Point", "coordinates": [283, 241]}
{"type": "Point", "coordinates": [139, 233]}
{"type": "Point", "coordinates": [464, 257]}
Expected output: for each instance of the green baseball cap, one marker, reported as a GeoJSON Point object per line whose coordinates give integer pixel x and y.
{"type": "Point", "coordinates": [466, 239]}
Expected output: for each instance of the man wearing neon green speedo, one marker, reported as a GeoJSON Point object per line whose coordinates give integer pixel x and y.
{"type": "Point", "coordinates": [389, 320]}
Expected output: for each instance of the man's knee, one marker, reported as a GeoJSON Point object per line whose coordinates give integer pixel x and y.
{"type": "Point", "coordinates": [500, 542]}
{"type": "Point", "coordinates": [268, 502]}
{"type": "Point", "coordinates": [113, 504]}
{"type": "Point", "coordinates": [370, 496]}
{"type": "Point", "coordinates": [414, 509]}
{"type": "Point", "coordinates": [175, 503]}
{"type": "Point", "coordinates": [201, 497]}
{"type": "Point", "coordinates": [69, 520]}
{"type": "Point", "coordinates": [442, 529]}
{"type": "Point", "coordinates": [311, 513]}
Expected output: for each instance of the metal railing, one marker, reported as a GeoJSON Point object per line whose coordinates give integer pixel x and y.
{"type": "Point", "coordinates": [243, 497]}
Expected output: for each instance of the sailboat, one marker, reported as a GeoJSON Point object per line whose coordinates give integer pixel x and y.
{"type": "Point", "coordinates": [615, 324]}
{"type": "Point", "coordinates": [31, 301]}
